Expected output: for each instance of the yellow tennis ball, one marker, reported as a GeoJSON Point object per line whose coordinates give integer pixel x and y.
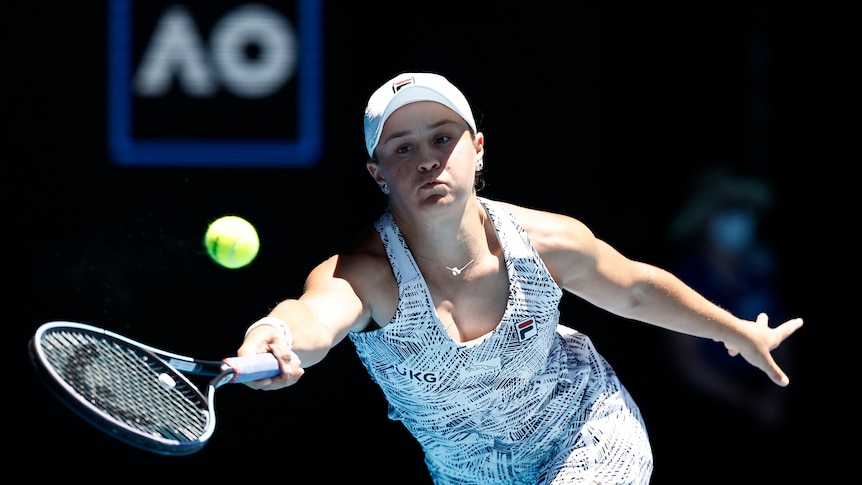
{"type": "Point", "coordinates": [232, 241]}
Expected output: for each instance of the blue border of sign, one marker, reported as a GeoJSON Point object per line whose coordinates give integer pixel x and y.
{"type": "Point", "coordinates": [300, 153]}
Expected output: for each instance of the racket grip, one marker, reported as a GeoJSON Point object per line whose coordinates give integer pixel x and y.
{"type": "Point", "coordinates": [253, 367]}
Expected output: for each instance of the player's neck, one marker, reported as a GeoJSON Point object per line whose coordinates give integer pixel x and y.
{"type": "Point", "coordinates": [449, 247]}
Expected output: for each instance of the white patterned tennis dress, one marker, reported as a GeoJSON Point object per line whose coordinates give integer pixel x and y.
{"type": "Point", "coordinates": [531, 402]}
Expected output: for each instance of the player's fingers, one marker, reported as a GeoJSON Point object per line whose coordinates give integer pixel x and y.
{"type": "Point", "coordinates": [291, 369]}
{"type": "Point", "coordinates": [777, 375]}
{"type": "Point", "coordinates": [784, 330]}
{"type": "Point", "coordinates": [790, 326]}
{"type": "Point", "coordinates": [279, 382]}
{"type": "Point", "coordinates": [259, 384]}
{"type": "Point", "coordinates": [294, 360]}
{"type": "Point", "coordinates": [290, 363]}
{"type": "Point", "coordinates": [773, 370]}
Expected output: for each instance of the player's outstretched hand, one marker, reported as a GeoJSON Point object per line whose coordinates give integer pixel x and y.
{"type": "Point", "coordinates": [760, 340]}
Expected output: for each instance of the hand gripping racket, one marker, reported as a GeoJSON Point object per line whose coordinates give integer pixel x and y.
{"type": "Point", "coordinates": [134, 392]}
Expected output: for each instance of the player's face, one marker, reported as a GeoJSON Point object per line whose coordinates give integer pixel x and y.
{"type": "Point", "coordinates": [426, 153]}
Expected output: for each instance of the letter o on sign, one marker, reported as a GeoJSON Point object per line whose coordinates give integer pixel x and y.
{"type": "Point", "coordinates": [273, 36]}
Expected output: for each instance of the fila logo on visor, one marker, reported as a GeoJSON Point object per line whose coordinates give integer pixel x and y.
{"type": "Point", "coordinates": [397, 85]}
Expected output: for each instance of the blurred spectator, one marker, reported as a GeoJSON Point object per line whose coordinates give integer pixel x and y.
{"type": "Point", "coordinates": [724, 257]}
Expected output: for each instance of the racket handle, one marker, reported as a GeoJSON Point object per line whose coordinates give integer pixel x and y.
{"type": "Point", "coordinates": [253, 367]}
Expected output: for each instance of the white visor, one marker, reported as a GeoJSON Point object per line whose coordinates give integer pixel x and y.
{"type": "Point", "coordinates": [409, 88]}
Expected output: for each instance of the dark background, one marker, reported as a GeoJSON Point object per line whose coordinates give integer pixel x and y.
{"type": "Point", "coordinates": [596, 109]}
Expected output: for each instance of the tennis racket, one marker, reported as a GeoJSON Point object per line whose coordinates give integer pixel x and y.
{"type": "Point", "coordinates": [134, 392]}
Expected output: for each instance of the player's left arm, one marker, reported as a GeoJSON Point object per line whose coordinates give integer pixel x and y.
{"type": "Point", "coordinates": [590, 268]}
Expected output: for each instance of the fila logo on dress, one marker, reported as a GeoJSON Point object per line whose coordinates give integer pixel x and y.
{"type": "Point", "coordinates": [526, 329]}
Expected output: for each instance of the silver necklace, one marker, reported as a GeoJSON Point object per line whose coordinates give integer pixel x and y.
{"type": "Point", "coordinates": [457, 271]}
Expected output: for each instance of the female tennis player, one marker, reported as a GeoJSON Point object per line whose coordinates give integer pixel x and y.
{"type": "Point", "coordinates": [452, 302]}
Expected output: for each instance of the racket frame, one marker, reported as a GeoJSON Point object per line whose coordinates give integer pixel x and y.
{"type": "Point", "coordinates": [176, 365]}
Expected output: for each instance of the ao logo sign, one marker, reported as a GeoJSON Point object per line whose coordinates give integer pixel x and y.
{"type": "Point", "coordinates": [215, 84]}
{"type": "Point", "coordinates": [176, 52]}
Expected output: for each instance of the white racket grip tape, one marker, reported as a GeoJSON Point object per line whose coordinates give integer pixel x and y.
{"type": "Point", "coordinates": [253, 367]}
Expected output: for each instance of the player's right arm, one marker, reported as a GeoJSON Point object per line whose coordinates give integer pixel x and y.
{"type": "Point", "coordinates": [319, 319]}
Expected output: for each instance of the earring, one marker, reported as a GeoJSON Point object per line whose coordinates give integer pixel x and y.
{"type": "Point", "coordinates": [385, 188]}
{"type": "Point", "coordinates": [479, 165]}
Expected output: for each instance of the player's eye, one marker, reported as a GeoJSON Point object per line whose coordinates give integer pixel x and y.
{"type": "Point", "coordinates": [403, 149]}
{"type": "Point", "coordinates": [442, 139]}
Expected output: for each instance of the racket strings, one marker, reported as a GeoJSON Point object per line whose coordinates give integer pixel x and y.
{"type": "Point", "coordinates": [128, 385]}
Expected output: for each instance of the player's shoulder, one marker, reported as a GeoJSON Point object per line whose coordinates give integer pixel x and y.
{"type": "Point", "coordinates": [365, 266]}
{"type": "Point", "coordinates": [358, 258]}
{"type": "Point", "coordinates": [541, 221]}
{"type": "Point", "coordinates": [549, 230]}
{"type": "Point", "coordinates": [363, 263]}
